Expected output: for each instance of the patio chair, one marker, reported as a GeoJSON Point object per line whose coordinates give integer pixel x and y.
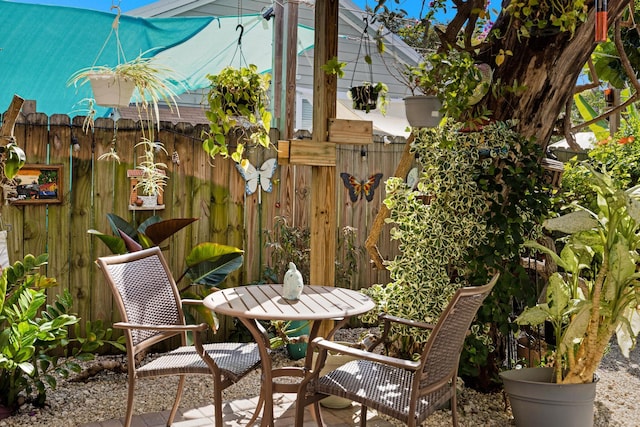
{"type": "Point", "coordinates": [151, 311]}
{"type": "Point", "coordinates": [406, 390]}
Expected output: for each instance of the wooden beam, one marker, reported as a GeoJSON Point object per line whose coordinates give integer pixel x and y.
{"type": "Point", "coordinates": [10, 117]}
{"type": "Point", "coordinates": [358, 132]}
{"type": "Point", "coordinates": [371, 244]}
{"type": "Point", "coordinates": [312, 153]}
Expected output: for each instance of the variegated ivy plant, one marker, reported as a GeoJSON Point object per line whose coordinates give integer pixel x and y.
{"type": "Point", "coordinates": [597, 293]}
{"type": "Point", "coordinates": [479, 197]}
{"type": "Point", "coordinates": [436, 225]}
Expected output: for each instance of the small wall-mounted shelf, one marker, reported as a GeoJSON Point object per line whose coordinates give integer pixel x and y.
{"type": "Point", "coordinates": [139, 202]}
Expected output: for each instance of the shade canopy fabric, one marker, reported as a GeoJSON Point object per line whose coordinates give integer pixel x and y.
{"type": "Point", "coordinates": [42, 46]}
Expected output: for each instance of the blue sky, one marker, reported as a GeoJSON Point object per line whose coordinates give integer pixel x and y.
{"type": "Point", "coordinates": [411, 6]}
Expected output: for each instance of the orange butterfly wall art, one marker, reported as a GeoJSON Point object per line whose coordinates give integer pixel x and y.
{"type": "Point", "coordinates": [359, 189]}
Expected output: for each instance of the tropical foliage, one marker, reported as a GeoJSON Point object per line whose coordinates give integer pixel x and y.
{"type": "Point", "coordinates": [35, 335]}
{"type": "Point", "coordinates": [619, 155]}
{"type": "Point", "coordinates": [207, 264]}
{"type": "Point", "coordinates": [596, 292]}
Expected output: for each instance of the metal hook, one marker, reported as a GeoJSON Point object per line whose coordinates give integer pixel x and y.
{"type": "Point", "coordinates": [366, 24]}
{"type": "Point", "coordinates": [241, 33]}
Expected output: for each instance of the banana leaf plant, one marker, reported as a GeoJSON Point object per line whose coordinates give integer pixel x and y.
{"type": "Point", "coordinates": [207, 264]}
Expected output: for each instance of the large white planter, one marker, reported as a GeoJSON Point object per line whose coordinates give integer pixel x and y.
{"type": "Point", "coordinates": [333, 362]}
{"type": "Point", "coordinates": [110, 90]}
{"type": "Point", "coordinates": [423, 111]}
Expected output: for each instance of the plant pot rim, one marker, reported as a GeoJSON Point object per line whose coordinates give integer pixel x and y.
{"type": "Point", "coordinates": [418, 96]}
{"type": "Point", "coordinates": [515, 374]}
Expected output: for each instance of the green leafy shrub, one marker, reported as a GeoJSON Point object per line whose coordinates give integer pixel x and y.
{"type": "Point", "coordinates": [34, 333]}
{"type": "Point", "coordinates": [479, 197]}
{"type": "Point", "coordinates": [618, 155]}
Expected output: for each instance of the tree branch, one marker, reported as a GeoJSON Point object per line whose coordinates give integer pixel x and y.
{"type": "Point", "coordinates": [624, 59]}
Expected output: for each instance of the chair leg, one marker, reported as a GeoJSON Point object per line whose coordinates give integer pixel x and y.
{"type": "Point", "coordinates": [130, 391]}
{"type": "Point", "coordinates": [454, 408]}
{"type": "Point", "coordinates": [217, 402]}
{"type": "Point", "coordinates": [257, 411]}
{"type": "Point", "coordinates": [363, 416]}
{"type": "Point", "coordinates": [318, 413]}
{"type": "Point", "coordinates": [176, 402]}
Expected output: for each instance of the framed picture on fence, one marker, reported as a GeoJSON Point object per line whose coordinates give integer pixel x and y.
{"type": "Point", "coordinates": [36, 184]}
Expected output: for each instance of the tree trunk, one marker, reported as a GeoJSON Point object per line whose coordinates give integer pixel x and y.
{"type": "Point", "coordinates": [547, 69]}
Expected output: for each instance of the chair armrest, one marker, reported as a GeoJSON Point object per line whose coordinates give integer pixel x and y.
{"type": "Point", "coordinates": [408, 322]}
{"type": "Point", "coordinates": [192, 302]}
{"type": "Point", "coordinates": [363, 354]}
{"type": "Point", "coordinates": [167, 328]}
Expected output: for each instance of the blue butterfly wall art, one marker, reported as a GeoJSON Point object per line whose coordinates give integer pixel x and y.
{"type": "Point", "coordinates": [359, 189]}
{"type": "Point", "coordinates": [259, 178]}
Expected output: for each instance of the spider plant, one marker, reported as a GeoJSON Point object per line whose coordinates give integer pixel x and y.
{"type": "Point", "coordinates": [147, 76]}
{"type": "Point", "coordinates": [153, 178]}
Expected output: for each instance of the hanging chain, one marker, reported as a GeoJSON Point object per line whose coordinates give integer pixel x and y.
{"type": "Point", "coordinates": [364, 40]}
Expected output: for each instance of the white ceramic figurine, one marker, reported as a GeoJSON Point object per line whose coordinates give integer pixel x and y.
{"type": "Point", "coordinates": [293, 283]}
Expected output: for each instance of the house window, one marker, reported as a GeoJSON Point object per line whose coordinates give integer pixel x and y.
{"type": "Point", "coordinates": [305, 115]}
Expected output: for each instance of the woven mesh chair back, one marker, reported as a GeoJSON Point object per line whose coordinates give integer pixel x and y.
{"type": "Point", "coordinates": [449, 334]}
{"type": "Point", "coordinates": [144, 290]}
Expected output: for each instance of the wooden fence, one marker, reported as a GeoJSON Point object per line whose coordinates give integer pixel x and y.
{"type": "Point", "coordinates": [214, 192]}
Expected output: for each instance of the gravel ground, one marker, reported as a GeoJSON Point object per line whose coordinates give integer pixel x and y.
{"type": "Point", "coordinates": [618, 394]}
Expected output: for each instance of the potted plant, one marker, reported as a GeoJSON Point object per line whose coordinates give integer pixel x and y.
{"type": "Point", "coordinates": [446, 83]}
{"type": "Point", "coordinates": [150, 80]}
{"type": "Point", "coordinates": [595, 295]}
{"type": "Point", "coordinates": [238, 100]}
{"type": "Point", "coordinates": [368, 96]}
{"type": "Point", "coordinates": [114, 86]}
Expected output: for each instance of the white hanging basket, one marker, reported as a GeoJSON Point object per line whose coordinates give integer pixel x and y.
{"type": "Point", "coordinates": [111, 90]}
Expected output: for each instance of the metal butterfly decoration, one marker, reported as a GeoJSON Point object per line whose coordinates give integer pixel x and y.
{"type": "Point", "coordinates": [359, 189]}
{"type": "Point", "coordinates": [258, 177]}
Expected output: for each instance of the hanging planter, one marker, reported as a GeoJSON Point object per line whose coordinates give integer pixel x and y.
{"type": "Point", "coordinates": [111, 89]}
{"type": "Point", "coordinates": [423, 110]}
{"type": "Point", "coordinates": [238, 100]}
{"type": "Point", "coordinates": [364, 97]}
{"type": "Point", "coordinates": [367, 96]}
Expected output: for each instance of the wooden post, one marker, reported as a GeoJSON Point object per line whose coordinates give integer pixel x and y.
{"type": "Point", "coordinates": [10, 117]}
{"type": "Point", "coordinates": [323, 178]}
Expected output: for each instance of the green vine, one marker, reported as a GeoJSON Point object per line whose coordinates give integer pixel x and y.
{"type": "Point", "coordinates": [478, 199]}
{"type": "Point", "coordinates": [238, 100]}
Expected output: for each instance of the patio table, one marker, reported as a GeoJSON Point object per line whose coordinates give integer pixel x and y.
{"type": "Point", "coordinates": [253, 303]}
